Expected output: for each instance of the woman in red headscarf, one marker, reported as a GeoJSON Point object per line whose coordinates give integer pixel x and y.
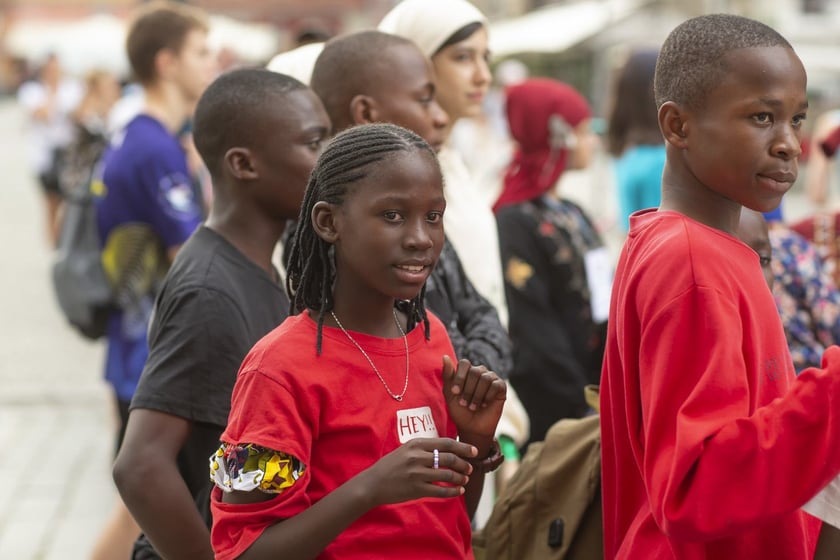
{"type": "Point", "coordinates": [557, 270]}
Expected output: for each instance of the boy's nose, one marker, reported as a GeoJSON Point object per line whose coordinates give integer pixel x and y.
{"type": "Point", "coordinates": [787, 145]}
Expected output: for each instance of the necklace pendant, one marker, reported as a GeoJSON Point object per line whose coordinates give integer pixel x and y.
{"type": "Point", "coordinates": [399, 397]}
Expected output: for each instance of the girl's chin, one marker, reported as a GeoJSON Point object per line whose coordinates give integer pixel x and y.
{"type": "Point", "coordinates": [472, 110]}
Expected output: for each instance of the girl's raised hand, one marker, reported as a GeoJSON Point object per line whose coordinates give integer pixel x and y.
{"type": "Point", "coordinates": [474, 395]}
{"type": "Point", "coordinates": [411, 471]}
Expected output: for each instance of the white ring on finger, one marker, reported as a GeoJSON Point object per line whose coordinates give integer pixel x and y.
{"type": "Point", "coordinates": [436, 455]}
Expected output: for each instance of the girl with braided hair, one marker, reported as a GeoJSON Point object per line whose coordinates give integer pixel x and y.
{"type": "Point", "coordinates": [352, 433]}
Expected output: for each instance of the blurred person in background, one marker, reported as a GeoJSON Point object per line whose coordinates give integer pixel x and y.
{"type": "Point", "coordinates": [49, 101]}
{"type": "Point", "coordinates": [148, 206]}
{"type": "Point", "coordinates": [633, 137]}
{"type": "Point", "coordinates": [806, 295]}
{"type": "Point", "coordinates": [102, 91]}
{"type": "Point", "coordinates": [298, 62]}
{"type": "Point", "coordinates": [822, 170]}
{"type": "Point", "coordinates": [90, 127]}
{"type": "Point", "coordinates": [484, 141]}
{"type": "Point", "coordinates": [558, 273]}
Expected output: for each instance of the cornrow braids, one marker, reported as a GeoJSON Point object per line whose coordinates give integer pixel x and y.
{"type": "Point", "coordinates": [346, 160]}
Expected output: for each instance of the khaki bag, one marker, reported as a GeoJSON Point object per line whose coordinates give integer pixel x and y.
{"type": "Point", "coordinates": [551, 507]}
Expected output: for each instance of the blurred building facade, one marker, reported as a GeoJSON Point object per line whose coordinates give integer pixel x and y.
{"type": "Point", "coordinates": [579, 41]}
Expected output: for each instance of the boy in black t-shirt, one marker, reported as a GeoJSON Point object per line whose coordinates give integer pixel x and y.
{"type": "Point", "coordinates": [259, 134]}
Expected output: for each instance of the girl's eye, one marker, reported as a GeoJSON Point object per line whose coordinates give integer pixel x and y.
{"type": "Point", "coordinates": [315, 145]}
{"type": "Point", "coordinates": [765, 261]}
{"type": "Point", "coordinates": [434, 217]}
{"type": "Point", "coordinates": [762, 118]}
{"type": "Point", "coordinates": [799, 119]}
{"type": "Point", "coordinates": [392, 216]}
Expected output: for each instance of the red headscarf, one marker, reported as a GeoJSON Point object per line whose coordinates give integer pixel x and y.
{"type": "Point", "coordinates": [536, 167]}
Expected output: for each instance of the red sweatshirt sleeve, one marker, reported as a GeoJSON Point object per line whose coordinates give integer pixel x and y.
{"type": "Point", "coordinates": [715, 462]}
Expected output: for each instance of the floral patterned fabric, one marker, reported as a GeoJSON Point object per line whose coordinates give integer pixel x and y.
{"type": "Point", "coordinates": [249, 467]}
{"type": "Point", "coordinates": [552, 286]}
{"type": "Point", "coordinates": [806, 296]}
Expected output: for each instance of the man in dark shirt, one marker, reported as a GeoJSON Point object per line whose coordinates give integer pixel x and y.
{"type": "Point", "coordinates": [259, 134]}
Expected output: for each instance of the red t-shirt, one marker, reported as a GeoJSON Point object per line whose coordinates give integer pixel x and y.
{"type": "Point", "coordinates": [701, 458]}
{"type": "Point", "coordinates": [333, 413]}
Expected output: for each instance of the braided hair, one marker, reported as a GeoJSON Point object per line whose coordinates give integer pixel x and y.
{"type": "Point", "coordinates": [346, 160]}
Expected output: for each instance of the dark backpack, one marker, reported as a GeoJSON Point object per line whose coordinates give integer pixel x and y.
{"type": "Point", "coordinates": [84, 293]}
{"type": "Point", "coordinates": [551, 507]}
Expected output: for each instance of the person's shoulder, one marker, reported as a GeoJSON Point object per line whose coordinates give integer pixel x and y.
{"type": "Point", "coordinates": [208, 262]}
{"type": "Point", "coordinates": [194, 259]}
{"type": "Point", "coordinates": [437, 330]}
{"type": "Point", "coordinates": [285, 355]}
{"type": "Point", "coordinates": [669, 232]}
{"type": "Point", "coordinates": [295, 332]}
{"type": "Point", "coordinates": [663, 226]}
{"type": "Point", "coordinates": [517, 213]}
{"type": "Point", "coordinates": [143, 144]}
{"type": "Point", "coordinates": [678, 249]}
{"type": "Point", "coordinates": [146, 131]}
{"type": "Point", "coordinates": [143, 137]}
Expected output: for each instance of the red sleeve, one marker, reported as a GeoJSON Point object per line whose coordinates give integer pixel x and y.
{"type": "Point", "coordinates": [265, 413]}
{"type": "Point", "coordinates": [725, 464]}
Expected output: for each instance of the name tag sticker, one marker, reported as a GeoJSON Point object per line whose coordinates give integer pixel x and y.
{"type": "Point", "coordinates": [416, 423]}
{"type": "Point", "coordinates": [599, 276]}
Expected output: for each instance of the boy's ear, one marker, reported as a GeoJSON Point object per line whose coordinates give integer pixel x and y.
{"type": "Point", "coordinates": [323, 221]}
{"type": "Point", "coordinates": [164, 61]}
{"type": "Point", "coordinates": [363, 109]}
{"type": "Point", "coordinates": [240, 164]}
{"type": "Point", "coordinates": [673, 122]}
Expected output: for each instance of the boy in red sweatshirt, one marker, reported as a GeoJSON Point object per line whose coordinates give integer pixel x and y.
{"type": "Point", "coordinates": [710, 445]}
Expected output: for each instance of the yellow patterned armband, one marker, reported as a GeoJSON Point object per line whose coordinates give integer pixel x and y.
{"type": "Point", "coordinates": [249, 467]}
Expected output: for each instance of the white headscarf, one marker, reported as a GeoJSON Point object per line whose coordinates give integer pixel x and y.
{"type": "Point", "coordinates": [297, 63]}
{"type": "Point", "coordinates": [429, 23]}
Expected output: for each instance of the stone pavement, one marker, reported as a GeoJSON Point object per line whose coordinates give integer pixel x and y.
{"type": "Point", "coordinates": [56, 423]}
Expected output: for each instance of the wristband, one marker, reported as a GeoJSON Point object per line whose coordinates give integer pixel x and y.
{"type": "Point", "coordinates": [509, 449]}
{"type": "Point", "coordinates": [491, 462]}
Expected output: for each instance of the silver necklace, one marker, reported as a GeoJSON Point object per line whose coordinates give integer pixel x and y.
{"type": "Point", "coordinates": [365, 354]}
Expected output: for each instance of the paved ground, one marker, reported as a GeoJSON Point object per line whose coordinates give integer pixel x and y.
{"type": "Point", "coordinates": [56, 424]}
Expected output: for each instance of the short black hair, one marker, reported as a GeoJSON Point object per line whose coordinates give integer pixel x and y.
{"type": "Point", "coordinates": [462, 34]}
{"type": "Point", "coordinates": [351, 65]}
{"type": "Point", "coordinates": [231, 111]}
{"type": "Point", "coordinates": [692, 60]}
{"type": "Point", "coordinates": [346, 160]}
